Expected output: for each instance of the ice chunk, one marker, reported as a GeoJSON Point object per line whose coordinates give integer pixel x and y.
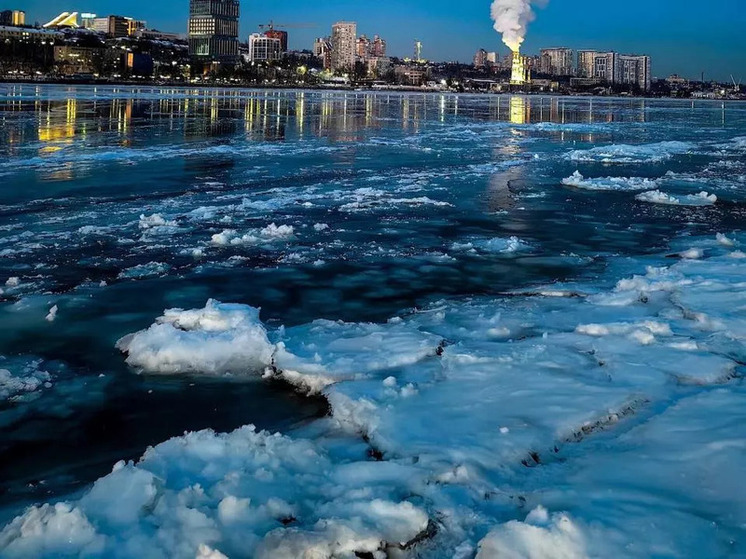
{"type": "Point", "coordinates": [269, 234]}
{"type": "Point", "coordinates": [155, 220]}
{"type": "Point", "coordinates": [610, 183]}
{"type": "Point", "coordinates": [217, 340]}
{"type": "Point", "coordinates": [52, 314]}
{"type": "Point", "coordinates": [658, 197]}
{"type": "Point", "coordinates": [539, 537]}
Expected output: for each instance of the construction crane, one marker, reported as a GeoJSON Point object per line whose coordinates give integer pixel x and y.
{"type": "Point", "coordinates": [736, 86]}
{"type": "Point", "coordinates": [272, 25]}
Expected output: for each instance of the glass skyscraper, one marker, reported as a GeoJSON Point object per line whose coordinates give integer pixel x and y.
{"type": "Point", "coordinates": [213, 30]}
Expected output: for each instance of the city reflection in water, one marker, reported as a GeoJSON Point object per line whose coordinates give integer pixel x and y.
{"type": "Point", "coordinates": [65, 115]}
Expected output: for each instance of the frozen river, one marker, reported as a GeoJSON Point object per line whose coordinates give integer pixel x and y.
{"type": "Point", "coordinates": [489, 325]}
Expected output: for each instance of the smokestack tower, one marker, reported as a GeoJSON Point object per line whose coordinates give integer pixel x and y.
{"type": "Point", "coordinates": [519, 75]}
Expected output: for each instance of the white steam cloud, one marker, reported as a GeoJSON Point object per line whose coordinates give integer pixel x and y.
{"type": "Point", "coordinates": [512, 18]}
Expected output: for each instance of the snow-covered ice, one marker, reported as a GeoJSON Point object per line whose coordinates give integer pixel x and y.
{"type": "Point", "coordinates": [458, 419]}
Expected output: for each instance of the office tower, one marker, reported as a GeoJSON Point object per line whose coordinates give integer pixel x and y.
{"type": "Point", "coordinates": [557, 62]}
{"type": "Point", "coordinates": [213, 30]}
{"type": "Point", "coordinates": [263, 48]}
{"type": "Point", "coordinates": [344, 36]}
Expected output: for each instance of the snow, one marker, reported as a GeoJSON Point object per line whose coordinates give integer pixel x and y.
{"type": "Point", "coordinates": [622, 184]}
{"type": "Point", "coordinates": [460, 419]}
{"type": "Point", "coordinates": [538, 537]}
{"type": "Point", "coordinates": [658, 197]}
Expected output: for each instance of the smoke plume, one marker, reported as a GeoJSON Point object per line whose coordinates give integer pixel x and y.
{"type": "Point", "coordinates": [512, 18]}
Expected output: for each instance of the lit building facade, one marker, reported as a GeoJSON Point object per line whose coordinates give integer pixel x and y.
{"type": "Point", "coordinates": [263, 48]}
{"type": "Point", "coordinates": [28, 34]}
{"type": "Point", "coordinates": [557, 62]}
{"type": "Point", "coordinates": [113, 26]}
{"type": "Point", "coordinates": [213, 30]}
{"type": "Point", "coordinates": [344, 42]}
{"type": "Point", "coordinates": [72, 59]}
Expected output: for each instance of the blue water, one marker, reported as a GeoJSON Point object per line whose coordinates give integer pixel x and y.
{"type": "Point", "coordinates": [395, 200]}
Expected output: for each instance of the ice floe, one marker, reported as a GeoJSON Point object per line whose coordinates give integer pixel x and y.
{"type": "Point", "coordinates": [632, 154]}
{"type": "Point", "coordinates": [658, 197]}
{"type": "Point", "coordinates": [610, 183]}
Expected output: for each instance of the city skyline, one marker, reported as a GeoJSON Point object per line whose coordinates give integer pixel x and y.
{"type": "Point", "coordinates": [687, 40]}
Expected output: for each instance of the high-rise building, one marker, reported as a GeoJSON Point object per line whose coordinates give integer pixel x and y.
{"type": "Point", "coordinates": [492, 58]}
{"type": "Point", "coordinates": [615, 68]}
{"type": "Point", "coordinates": [87, 19]}
{"type": "Point", "coordinates": [480, 58]}
{"type": "Point", "coordinates": [635, 70]}
{"type": "Point", "coordinates": [113, 26]}
{"type": "Point", "coordinates": [281, 35]}
{"type": "Point", "coordinates": [363, 47]}
{"type": "Point", "coordinates": [322, 49]}
{"type": "Point", "coordinates": [263, 48]}
{"type": "Point", "coordinates": [14, 18]}
{"type": "Point", "coordinates": [557, 62]}
{"type": "Point", "coordinates": [135, 25]}
{"type": "Point", "coordinates": [378, 47]}
{"type": "Point", "coordinates": [213, 30]}
{"type": "Point", "coordinates": [344, 38]}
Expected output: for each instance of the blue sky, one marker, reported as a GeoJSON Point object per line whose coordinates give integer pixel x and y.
{"type": "Point", "coordinates": [684, 36]}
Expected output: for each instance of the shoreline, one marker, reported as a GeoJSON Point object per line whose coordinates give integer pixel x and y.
{"type": "Point", "coordinates": [357, 89]}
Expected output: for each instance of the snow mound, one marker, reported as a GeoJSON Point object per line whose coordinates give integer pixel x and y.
{"type": "Point", "coordinates": [241, 494]}
{"type": "Point", "coordinates": [621, 184]}
{"type": "Point", "coordinates": [631, 154]}
{"type": "Point", "coordinates": [217, 340]}
{"type": "Point", "coordinates": [539, 537]}
{"type": "Point", "coordinates": [658, 197]}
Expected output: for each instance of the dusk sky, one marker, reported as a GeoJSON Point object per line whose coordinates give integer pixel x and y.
{"type": "Point", "coordinates": [684, 36]}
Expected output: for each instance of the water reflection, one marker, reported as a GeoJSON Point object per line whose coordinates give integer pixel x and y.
{"type": "Point", "coordinates": [272, 115]}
